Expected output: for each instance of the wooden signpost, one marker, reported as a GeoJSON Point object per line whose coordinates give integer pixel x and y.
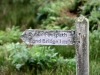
{"type": "Point", "coordinates": [78, 37]}
{"type": "Point", "coordinates": [48, 37]}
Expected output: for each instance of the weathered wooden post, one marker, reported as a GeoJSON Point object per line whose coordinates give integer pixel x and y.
{"type": "Point", "coordinates": [82, 46]}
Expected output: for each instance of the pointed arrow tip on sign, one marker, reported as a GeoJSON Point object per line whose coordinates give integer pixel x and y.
{"type": "Point", "coordinates": [25, 36]}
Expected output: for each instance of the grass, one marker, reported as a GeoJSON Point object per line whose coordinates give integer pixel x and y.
{"type": "Point", "coordinates": [64, 70]}
{"type": "Point", "coordinates": [6, 67]}
{"type": "Point", "coordinates": [9, 70]}
{"type": "Point", "coordinates": [94, 68]}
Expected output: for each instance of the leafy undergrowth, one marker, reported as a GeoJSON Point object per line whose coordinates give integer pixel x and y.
{"type": "Point", "coordinates": [94, 68]}
{"type": "Point", "coordinates": [10, 35]}
{"type": "Point", "coordinates": [16, 58]}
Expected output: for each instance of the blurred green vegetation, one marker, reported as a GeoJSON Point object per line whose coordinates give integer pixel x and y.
{"type": "Point", "coordinates": [17, 58]}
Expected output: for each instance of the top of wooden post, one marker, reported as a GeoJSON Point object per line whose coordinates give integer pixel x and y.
{"type": "Point", "coordinates": [81, 18]}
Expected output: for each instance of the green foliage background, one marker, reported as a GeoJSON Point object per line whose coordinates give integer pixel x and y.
{"type": "Point", "coordinates": [18, 15]}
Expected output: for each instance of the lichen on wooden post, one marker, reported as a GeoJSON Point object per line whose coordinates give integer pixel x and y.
{"type": "Point", "coordinates": [82, 45]}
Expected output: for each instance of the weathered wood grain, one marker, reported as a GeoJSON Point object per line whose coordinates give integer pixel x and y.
{"type": "Point", "coordinates": [82, 46]}
{"type": "Point", "coordinates": [48, 37]}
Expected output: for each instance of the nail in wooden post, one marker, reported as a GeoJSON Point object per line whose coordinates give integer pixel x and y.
{"type": "Point", "coordinates": [82, 46]}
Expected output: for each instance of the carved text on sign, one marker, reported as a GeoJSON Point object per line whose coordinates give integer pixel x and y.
{"type": "Point", "coordinates": [48, 37]}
